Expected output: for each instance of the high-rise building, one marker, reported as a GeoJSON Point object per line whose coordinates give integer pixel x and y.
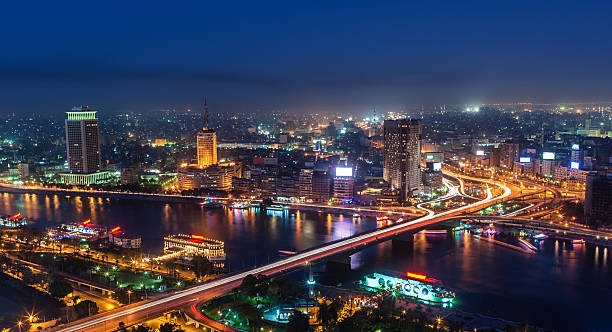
{"type": "Point", "coordinates": [206, 143]}
{"type": "Point", "coordinates": [402, 156]}
{"type": "Point", "coordinates": [344, 184]}
{"type": "Point", "coordinates": [597, 198]}
{"type": "Point", "coordinates": [305, 184]}
{"type": "Point", "coordinates": [508, 155]}
{"type": "Point", "coordinates": [83, 141]}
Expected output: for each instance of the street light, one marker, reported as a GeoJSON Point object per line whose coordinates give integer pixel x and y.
{"type": "Point", "coordinates": [129, 297]}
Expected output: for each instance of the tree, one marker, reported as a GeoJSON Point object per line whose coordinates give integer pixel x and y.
{"type": "Point", "coordinates": [329, 312]}
{"type": "Point", "coordinates": [251, 314]}
{"type": "Point", "coordinates": [59, 288]}
{"type": "Point", "coordinates": [298, 322]}
{"type": "Point", "coordinates": [125, 295]}
{"type": "Point", "coordinates": [142, 328]}
{"type": "Point", "coordinates": [85, 308]}
{"type": "Point", "coordinates": [169, 327]}
{"type": "Point", "coordinates": [201, 266]}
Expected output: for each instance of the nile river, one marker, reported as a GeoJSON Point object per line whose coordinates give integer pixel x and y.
{"type": "Point", "coordinates": [564, 287]}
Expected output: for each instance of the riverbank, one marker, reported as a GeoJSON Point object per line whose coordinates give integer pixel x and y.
{"type": "Point", "coordinates": [102, 194]}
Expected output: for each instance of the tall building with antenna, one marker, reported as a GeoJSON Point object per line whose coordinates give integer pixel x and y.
{"type": "Point", "coordinates": [206, 143]}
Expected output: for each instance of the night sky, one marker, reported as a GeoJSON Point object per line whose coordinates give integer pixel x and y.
{"type": "Point", "coordinates": [308, 56]}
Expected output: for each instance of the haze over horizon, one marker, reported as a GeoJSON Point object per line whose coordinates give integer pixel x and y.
{"type": "Point", "coordinates": [301, 57]}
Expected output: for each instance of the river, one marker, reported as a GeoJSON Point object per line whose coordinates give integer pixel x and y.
{"type": "Point", "coordinates": [564, 287]}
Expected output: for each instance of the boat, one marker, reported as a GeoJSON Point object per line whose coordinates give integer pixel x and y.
{"type": "Point", "coordinates": [240, 205]}
{"type": "Point", "coordinates": [211, 204]}
{"type": "Point", "coordinates": [412, 285]}
{"type": "Point", "coordinates": [13, 221]}
{"type": "Point", "coordinates": [277, 207]}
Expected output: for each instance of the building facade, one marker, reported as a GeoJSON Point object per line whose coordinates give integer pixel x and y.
{"type": "Point", "coordinates": [598, 198]}
{"type": "Point", "coordinates": [402, 156]}
{"type": "Point", "coordinates": [207, 148]}
{"type": "Point", "coordinates": [83, 141]}
{"type": "Point", "coordinates": [214, 177]}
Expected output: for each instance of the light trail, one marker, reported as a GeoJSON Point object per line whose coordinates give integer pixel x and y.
{"type": "Point", "coordinates": [294, 260]}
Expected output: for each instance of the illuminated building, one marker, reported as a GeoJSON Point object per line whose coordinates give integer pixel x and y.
{"type": "Point", "coordinates": [321, 184]}
{"type": "Point", "coordinates": [212, 249]}
{"type": "Point", "coordinates": [508, 155]}
{"type": "Point", "coordinates": [125, 241]}
{"type": "Point", "coordinates": [305, 184]}
{"type": "Point", "coordinates": [286, 187]}
{"type": "Point", "coordinates": [83, 148]}
{"type": "Point", "coordinates": [23, 170]}
{"type": "Point", "coordinates": [83, 140]}
{"type": "Point", "coordinates": [344, 184]}
{"type": "Point", "coordinates": [129, 175]}
{"type": "Point", "coordinates": [13, 221]}
{"type": "Point", "coordinates": [161, 141]}
{"type": "Point", "coordinates": [598, 198]}
{"type": "Point", "coordinates": [206, 144]}
{"type": "Point", "coordinates": [402, 156]}
{"type": "Point", "coordinates": [215, 177]}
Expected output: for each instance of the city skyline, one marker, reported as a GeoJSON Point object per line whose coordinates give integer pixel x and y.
{"type": "Point", "coordinates": [305, 167]}
{"type": "Point", "coordinates": [303, 57]}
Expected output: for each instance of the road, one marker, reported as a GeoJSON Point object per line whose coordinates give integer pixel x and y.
{"type": "Point", "coordinates": [141, 311]}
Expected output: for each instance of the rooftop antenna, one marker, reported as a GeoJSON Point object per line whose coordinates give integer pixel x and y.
{"type": "Point", "coordinates": [205, 114]}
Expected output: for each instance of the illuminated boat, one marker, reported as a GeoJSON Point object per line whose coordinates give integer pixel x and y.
{"type": "Point", "coordinates": [240, 205]}
{"type": "Point", "coordinates": [211, 204]}
{"type": "Point", "coordinates": [277, 207]}
{"type": "Point", "coordinates": [13, 221]}
{"type": "Point", "coordinates": [412, 285]}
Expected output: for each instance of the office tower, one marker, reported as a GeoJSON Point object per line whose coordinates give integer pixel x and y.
{"type": "Point", "coordinates": [344, 183]}
{"type": "Point", "coordinates": [576, 157]}
{"type": "Point", "coordinates": [321, 183]}
{"type": "Point", "coordinates": [83, 141]}
{"type": "Point", "coordinates": [206, 143]}
{"type": "Point", "coordinates": [402, 156]}
{"type": "Point", "coordinates": [509, 155]}
{"type": "Point", "coordinates": [305, 184]}
{"type": "Point", "coordinates": [598, 198]}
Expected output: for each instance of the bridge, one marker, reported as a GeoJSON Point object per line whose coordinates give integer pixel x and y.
{"type": "Point", "coordinates": [142, 311]}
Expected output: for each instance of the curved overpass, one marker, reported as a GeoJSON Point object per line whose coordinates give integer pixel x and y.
{"type": "Point", "coordinates": [142, 311]}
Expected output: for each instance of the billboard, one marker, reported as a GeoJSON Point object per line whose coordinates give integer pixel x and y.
{"type": "Point", "coordinates": [524, 160]}
{"type": "Point", "coordinates": [575, 147]}
{"type": "Point", "coordinates": [344, 171]}
{"type": "Point", "coordinates": [575, 165]}
{"type": "Point", "coordinates": [480, 153]}
{"type": "Point", "coordinates": [548, 156]}
{"type": "Point", "coordinates": [437, 166]}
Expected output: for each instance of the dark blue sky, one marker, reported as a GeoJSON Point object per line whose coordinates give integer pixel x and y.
{"type": "Point", "coordinates": [301, 56]}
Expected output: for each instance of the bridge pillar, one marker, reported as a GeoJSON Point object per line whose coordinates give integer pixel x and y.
{"type": "Point", "coordinates": [337, 267]}
{"type": "Point", "coordinates": [403, 242]}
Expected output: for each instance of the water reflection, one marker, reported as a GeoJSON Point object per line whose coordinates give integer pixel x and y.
{"type": "Point", "coordinates": [562, 285]}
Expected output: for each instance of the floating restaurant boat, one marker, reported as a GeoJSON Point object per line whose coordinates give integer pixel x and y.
{"type": "Point", "coordinates": [194, 244]}
{"type": "Point", "coordinates": [277, 207]}
{"type": "Point", "coordinates": [211, 204]}
{"type": "Point", "coordinates": [240, 205]}
{"type": "Point", "coordinates": [412, 285]}
{"type": "Point", "coordinates": [13, 221]}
